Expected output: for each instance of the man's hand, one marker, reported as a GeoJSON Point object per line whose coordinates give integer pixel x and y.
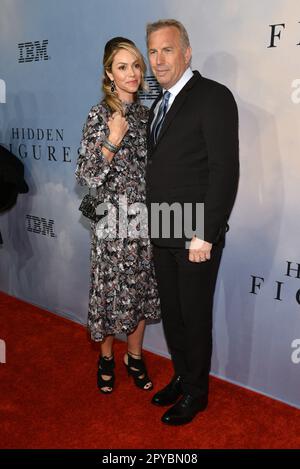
{"type": "Point", "coordinates": [199, 250]}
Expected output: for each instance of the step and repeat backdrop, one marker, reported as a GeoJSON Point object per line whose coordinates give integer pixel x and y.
{"type": "Point", "coordinates": [50, 72]}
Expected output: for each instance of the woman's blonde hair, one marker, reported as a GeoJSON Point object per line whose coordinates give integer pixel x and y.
{"type": "Point", "coordinates": [111, 48]}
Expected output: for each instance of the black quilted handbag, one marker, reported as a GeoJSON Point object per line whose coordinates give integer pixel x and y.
{"type": "Point", "coordinates": [88, 207]}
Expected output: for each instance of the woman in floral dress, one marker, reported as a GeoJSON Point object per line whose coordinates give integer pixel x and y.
{"type": "Point", "coordinates": [112, 159]}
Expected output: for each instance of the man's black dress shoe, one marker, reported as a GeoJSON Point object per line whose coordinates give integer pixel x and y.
{"type": "Point", "coordinates": [184, 410]}
{"type": "Point", "coordinates": [170, 393]}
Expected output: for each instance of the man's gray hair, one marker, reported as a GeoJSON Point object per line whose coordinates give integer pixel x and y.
{"type": "Point", "coordinates": [152, 27]}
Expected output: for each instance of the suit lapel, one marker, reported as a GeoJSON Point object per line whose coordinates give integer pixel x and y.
{"type": "Point", "coordinates": [176, 105]}
{"type": "Point", "coordinates": [174, 109]}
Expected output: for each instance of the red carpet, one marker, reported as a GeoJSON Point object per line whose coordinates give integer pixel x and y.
{"type": "Point", "coordinates": [49, 398]}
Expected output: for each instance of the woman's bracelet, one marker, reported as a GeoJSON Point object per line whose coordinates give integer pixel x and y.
{"type": "Point", "coordinates": [110, 146]}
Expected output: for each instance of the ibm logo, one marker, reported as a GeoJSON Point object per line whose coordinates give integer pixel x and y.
{"type": "Point", "coordinates": [154, 89]}
{"type": "Point", "coordinates": [40, 226]}
{"type": "Point", "coordinates": [2, 91]}
{"type": "Point", "coordinates": [2, 351]}
{"type": "Point", "coordinates": [33, 51]}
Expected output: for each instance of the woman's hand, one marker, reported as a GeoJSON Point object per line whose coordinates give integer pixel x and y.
{"type": "Point", "coordinates": [118, 127]}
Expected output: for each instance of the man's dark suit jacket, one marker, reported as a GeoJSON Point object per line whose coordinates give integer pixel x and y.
{"type": "Point", "coordinates": [196, 156]}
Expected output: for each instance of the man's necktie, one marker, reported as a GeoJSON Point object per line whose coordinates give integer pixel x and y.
{"type": "Point", "coordinates": [157, 124]}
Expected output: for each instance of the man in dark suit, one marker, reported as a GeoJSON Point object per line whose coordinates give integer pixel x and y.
{"type": "Point", "coordinates": [192, 160]}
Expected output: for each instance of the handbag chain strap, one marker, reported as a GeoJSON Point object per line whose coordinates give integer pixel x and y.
{"type": "Point", "coordinates": [90, 191]}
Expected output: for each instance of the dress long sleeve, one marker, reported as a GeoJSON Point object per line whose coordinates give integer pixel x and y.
{"type": "Point", "coordinates": [92, 166]}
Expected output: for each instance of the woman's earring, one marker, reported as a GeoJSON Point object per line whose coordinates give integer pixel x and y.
{"type": "Point", "coordinates": [112, 86]}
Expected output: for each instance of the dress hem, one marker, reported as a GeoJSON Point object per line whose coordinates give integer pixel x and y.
{"type": "Point", "coordinates": [127, 331]}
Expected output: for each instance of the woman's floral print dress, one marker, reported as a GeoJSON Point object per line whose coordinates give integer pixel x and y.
{"type": "Point", "coordinates": [123, 287]}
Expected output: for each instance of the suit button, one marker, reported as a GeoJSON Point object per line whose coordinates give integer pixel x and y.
{"type": "Point", "coordinates": [149, 162]}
